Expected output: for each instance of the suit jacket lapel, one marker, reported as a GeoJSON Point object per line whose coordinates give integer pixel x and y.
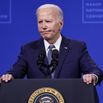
{"type": "Point", "coordinates": [64, 49]}
{"type": "Point", "coordinates": [41, 46]}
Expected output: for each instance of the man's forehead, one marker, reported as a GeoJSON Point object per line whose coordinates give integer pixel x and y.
{"type": "Point", "coordinates": [48, 10]}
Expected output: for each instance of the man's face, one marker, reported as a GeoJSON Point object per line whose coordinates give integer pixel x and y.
{"type": "Point", "coordinates": [49, 25]}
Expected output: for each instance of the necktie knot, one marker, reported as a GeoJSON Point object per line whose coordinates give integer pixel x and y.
{"type": "Point", "coordinates": [51, 47]}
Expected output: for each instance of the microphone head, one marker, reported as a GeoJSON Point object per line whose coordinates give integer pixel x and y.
{"type": "Point", "coordinates": [41, 58]}
{"type": "Point", "coordinates": [54, 61]}
{"type": "Point", "coordinates": [54, 53]}
{"type": "Point", "coordinates": [42, 54]}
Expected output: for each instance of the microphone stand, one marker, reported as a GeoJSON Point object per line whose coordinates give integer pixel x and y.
{"type": "Point", "coordinates": [47, 70]}
{"type": "Point", "coordinates": [54, 61]}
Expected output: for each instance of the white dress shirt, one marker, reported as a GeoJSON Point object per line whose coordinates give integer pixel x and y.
{"type": "Point", "coordinates": [56, 44]}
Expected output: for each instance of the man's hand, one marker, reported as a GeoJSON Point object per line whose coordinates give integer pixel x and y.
{"type": "Point", "coordinates": [6, 77]}
{"type": "Point", "coordinates": [90, 78]}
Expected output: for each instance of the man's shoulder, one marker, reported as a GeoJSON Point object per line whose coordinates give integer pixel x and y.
{"type": "Point", "coordinates": [75, 45]}
{"type": "Point", "coordinates": [77, 42]}
{"type": "Point", "coordinates": [33, 44]}
{"type": "Point", "coordinates": [71, 41]}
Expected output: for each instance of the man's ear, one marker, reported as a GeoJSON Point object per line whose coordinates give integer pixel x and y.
{"type": "Point", "coordinates": [61, 24]}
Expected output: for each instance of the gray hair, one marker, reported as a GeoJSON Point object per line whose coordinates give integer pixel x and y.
{"type": "Point", "coordinates": [53, 6]}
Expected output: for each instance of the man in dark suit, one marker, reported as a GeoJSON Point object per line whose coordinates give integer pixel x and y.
{"type": "Point", "coordinates": [74, 60]}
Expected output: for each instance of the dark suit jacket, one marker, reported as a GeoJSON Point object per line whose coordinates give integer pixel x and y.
{"type": "Point", "coordinates": [74, 61]}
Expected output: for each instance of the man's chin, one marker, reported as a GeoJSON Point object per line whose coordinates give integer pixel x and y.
{"type": "Point", "coordinates": [47, 38]}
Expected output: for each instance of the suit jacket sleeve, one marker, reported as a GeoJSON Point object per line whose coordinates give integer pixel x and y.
{"type": "Point", "coordinates": [87, 64]}
{"type": "Point", "coordinates": [19, 69]}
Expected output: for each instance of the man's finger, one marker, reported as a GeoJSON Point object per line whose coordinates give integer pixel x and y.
{"type": "Point", "coordinates": [6, 77]}
{"type": "Point", "coordinates": [87, 78]}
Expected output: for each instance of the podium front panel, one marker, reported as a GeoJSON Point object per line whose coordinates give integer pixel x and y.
{"type": "Point", "coordinates": [72, 90]}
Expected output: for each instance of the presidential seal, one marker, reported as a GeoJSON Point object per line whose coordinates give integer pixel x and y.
{"type": "Point", "coordinates": [46, 95]}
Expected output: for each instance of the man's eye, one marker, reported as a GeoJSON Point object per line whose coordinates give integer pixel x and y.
{"type": "Point", "coordinates": [39, 21]}
{"type": "Point", "coordinates": [48, 21]}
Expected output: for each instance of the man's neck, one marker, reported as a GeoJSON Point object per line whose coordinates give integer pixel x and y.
{"type": "Point", "coordinates": [52, 41]}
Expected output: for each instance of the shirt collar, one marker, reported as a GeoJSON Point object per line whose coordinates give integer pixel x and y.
{"type": "Point", "coordinates": [56, 44]}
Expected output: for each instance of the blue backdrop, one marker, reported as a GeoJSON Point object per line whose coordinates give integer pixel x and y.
{"type": "Point", "coordinates": [83, 20]}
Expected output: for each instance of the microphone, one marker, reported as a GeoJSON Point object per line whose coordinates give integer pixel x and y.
{"type": "Point", "coordinates": [54, 61]}
{"type": "Point", "coordinates": [42, 66]}
{"type": "Point", "coordinates": [54, 53]}
{"type": "Point", "coordinates": [41, 57]}
{"type": "Point", "coordinates": [47, 70]}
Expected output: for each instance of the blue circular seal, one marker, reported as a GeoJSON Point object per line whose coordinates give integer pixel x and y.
{"type": "Point", "coordinates": [46, 95]}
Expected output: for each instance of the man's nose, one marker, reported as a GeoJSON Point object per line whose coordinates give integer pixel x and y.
{"type": "Point", "coordinates": [44, 25]}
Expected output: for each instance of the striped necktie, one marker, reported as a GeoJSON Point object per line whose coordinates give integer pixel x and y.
{"type": "Point", "coordinates": [49, 57]}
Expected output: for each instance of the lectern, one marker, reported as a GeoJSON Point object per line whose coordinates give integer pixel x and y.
{"type": "Point", "coordinates": [47, 91]}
